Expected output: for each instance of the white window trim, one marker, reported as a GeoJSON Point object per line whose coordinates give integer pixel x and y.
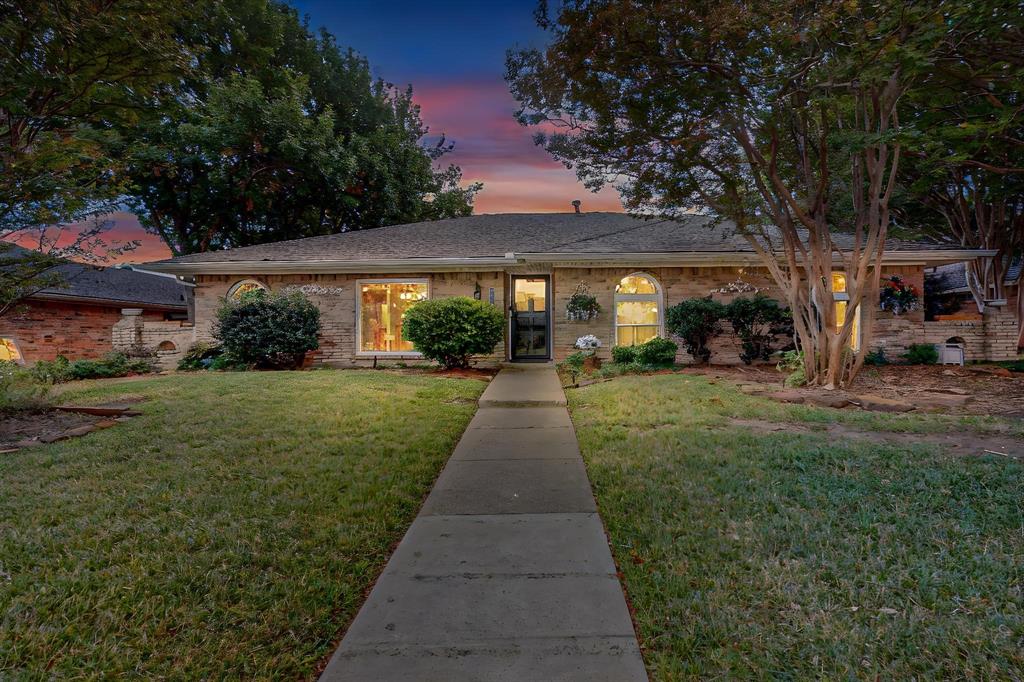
{"type": "Point", "coordinates": [17, 347]}
{"type": "Point", "coordinates": [360, 353]}
{"type": "Point", "coordinates": [658, 297]}
{"type": "Point", "coordinates": [249, 280]}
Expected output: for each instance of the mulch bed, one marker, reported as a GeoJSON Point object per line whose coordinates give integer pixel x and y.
{"type": "Point", "coordinates": [37, 427]}
{"type": "Point", "coordinates": [982, 389]}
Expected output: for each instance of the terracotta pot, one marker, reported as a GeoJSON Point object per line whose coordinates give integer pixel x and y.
{"type": "Point", "coordinates": [592, 363]}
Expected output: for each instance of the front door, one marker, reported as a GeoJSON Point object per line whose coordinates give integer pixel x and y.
{"type": "Point", "coordinates": [530, 318]}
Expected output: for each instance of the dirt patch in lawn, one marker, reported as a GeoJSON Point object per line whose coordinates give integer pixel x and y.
{"type": "Point", "coordinates": [30, 428]}
{"type": "Point", "coordinates": [966, 443]}
{"type": "Point", "coordinates": [975, 389]}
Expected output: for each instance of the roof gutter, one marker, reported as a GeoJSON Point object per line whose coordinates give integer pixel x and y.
{"type": "Point", "coordinates": [414, 265]}
{"type": "Point", "coordinates": [391, 265]}
{"type": "Point", "coordinates": [734, 258]}
{"type": "Point", "coordinates": [107, 302]}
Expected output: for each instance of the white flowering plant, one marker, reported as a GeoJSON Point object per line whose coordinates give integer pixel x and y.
{"type": "Point", "coordinates": [588, 342]}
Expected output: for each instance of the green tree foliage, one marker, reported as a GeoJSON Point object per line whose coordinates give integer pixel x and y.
{"type": "Point", "coordinates": [964, 181]}
{"type": "Point", "coordinates": [268, 330]}
{"type": "Point", "coordinates": [696, 321]}
{"type": "Point", "coordinates": [780, 115]}
{"type": "Point", "coordinates": [758, 322]}
{"type": "Point", "coordinates": [281, 134]}
{"type": "Point", "coordinates": [71, 73]}
{"type": "Point", "coordinates": [452, 330]}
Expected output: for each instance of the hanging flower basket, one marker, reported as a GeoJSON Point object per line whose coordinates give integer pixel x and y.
{"type": "Point", "coordinates": [582, 305]}
{"type": "Point", "coordinates": [897, 296]}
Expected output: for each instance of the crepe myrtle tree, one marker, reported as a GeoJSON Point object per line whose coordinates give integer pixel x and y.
{"type": "Point", "coordinates": [779, 115]}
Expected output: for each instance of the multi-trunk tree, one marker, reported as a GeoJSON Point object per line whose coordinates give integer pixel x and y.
{"type": "Point", "coordinates": [781, 116]}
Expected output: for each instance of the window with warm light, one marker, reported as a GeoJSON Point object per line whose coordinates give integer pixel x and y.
{"type": "Point", "coordinates": [382, 306]}
{"type": "Point", "coordinates": [242, 288]}
{"type": "Point", "coordinates": [637, 310]}
{"type": "Point", "coordinates": [9, 350]}
{"type": "Point", "coordinates": [841, 297]}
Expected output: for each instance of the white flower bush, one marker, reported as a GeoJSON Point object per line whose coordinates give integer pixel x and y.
{"type": "Point", "coordinates": [588, 342]}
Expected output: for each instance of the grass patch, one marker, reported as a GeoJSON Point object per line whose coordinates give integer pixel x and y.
{"type": "Point", "coordinates": [788, 555]}
{"type": "Point", "coordinates": [228, 532]}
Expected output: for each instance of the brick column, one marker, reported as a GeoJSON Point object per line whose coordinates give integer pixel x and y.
{"type": "Point", "coordinates": [1000, 334]}
{"type": "Point", "coordinates": [128, 330]}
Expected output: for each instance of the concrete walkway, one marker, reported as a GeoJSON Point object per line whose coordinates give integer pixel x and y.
{"type": "Point", "coordinates": [505, 574]}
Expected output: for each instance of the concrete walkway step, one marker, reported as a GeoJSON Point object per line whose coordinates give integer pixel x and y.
{"type": "Point", "coordinates": [531, 386]}
{"type": "Point", "coordinates": [506, 574]}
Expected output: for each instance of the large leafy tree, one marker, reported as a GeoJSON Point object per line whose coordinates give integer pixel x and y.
{"type": "Point", "coordinates": [965, 182]}
{"type": "Point", "coordinates": [281, 134]}
{"type": "Point", "coordinates": [71, 71]}
{"type": "Point", "coordinates": [780, 115]}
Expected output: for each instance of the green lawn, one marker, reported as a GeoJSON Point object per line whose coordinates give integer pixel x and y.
{"type": "Point", "coordinates": [229, 532]}
{"type": "Point", "coordinates": [753, 554]}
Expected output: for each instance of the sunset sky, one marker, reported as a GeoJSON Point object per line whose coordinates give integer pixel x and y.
{"type": "Point", "coordinates": [453, 54]}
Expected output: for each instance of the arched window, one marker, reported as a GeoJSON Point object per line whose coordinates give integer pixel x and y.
{"type": "Point", "coordinates": [239, 289]}
{"type": "Point", "coordinates": [638, 310]}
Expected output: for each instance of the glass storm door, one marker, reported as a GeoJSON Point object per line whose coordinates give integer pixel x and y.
{"type": "Point", "coordinates": [530, 319]}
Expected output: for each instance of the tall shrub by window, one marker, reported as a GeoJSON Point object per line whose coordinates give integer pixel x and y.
{"type": "Point", "coordinates": [268, 330]}
{"type": "Point", "coordinates": [696, 321]}
{"type": "Point", "coordinates": [637, 310]}
{"type": "Point", "coordinates": [383, 305]}
{"type": "Point", "coordinates": [452, 330]}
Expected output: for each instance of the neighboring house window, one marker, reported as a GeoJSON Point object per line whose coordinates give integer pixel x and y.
{"type": "Point", "coordinates": [638, 315]}
{"type": "Point", "coordinates": [382, 306]}
{"type": "Point", "coordinates": [239, 289]}
{"type": "Point", "coordinates": [9, 350]}
{"type": "Point", "coordinates": [842, 298]}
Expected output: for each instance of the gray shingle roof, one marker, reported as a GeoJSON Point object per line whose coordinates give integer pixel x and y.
{"type": "Point", "coordinates": [122, 285]}
{"type": "Point", "coordinates": [953, 277]}
{"type": "Point", "coordinates": [494, 235]}
{"type": "Point", "coordinates": [118, 284]}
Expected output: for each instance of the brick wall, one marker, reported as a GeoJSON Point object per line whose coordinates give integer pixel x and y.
{"type": "Point", "coordinates": [169, 338]}
{"type": "Point", "coordinates": [45, 329]}
{"type": "Point", "coordinates": [338, 340]}
{"type": "Point", "coordinates": [677, 284]}
{"type": "Point", "coordinates": [338, 308]}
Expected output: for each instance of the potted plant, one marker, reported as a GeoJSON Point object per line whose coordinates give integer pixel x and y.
{"type": "Point", "coordinates": [897, 296]}
{"type": "Point", "coordinates": [582, 305]}
{"type": "Point", "coordinates": [588, 346]}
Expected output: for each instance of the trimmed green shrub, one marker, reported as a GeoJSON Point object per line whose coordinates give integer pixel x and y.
{"type": "Point", "coordinates": [696, 321]}
{"type": "Point", "coordinates": [200, 355]}
{"type": "Point", "coordinates": [876, 358]}
{"type": "Point", "coordinates": [656, 352]}
{"type": "Point", "coordinates": [921, 354]}
{"type": "Point", "coordinates": [268, 330]}
{"type": "Point", "coordinates": [20, 389]}
{"type": "Point", "coordinates": [452, 330]}
{"type": "Point", "coordinates": [623, 355]}
{"type": "Point", "coordinates": [110, 365]}
{"type": "Point", "coordinates": [757, 322]}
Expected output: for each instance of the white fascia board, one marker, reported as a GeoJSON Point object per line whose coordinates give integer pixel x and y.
{"type": "Point", "coordinates": [321, 267]}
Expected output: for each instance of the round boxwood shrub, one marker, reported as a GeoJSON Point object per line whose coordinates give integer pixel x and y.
{"type": "Point", "coordinates": [696, 321]}
{"type": "Point", "coordinates": [268, 330]}
{"type": "Point", "coordinates": [451, 330]}
{"type": "Point", "coordinates": [657, 352]}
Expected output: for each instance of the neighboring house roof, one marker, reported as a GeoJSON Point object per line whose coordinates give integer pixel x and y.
{"type": "Point", "coordinates": [494, 239]}
{"type": "Point", "coordinates": [119, 285]}
{"type": "Point", "coordinates": [952, 278]}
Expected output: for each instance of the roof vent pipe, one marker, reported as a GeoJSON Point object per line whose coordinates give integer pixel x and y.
{"type": "Point", "coordinates": [576, 204]}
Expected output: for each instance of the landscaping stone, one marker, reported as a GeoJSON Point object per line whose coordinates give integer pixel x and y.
{"type": "Point", "coordinates": [70, 433]}
{"type": "Point", "coordinates": [876, 403]}
{"type": "Point", "coordinates": [795, 397]}
{"type": "Point", "coordinates": [940, 401]}
{"type": "Point", "coordinates": [833, 401]}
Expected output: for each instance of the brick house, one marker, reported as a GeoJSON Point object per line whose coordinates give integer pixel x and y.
{"type": "Point", "coordinates": [82, 318]}
{"type": "Point", "coordinates": [529, 265]}
{"type": "Point", "coordinates": [948, 283]}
